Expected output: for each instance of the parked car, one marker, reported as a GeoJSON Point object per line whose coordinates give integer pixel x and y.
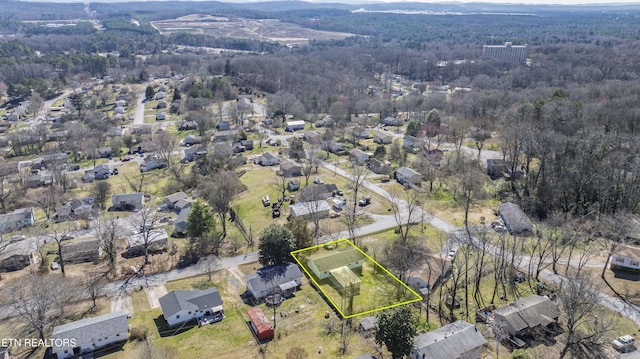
{"type": "Point", "coordinates": [73, 167]}
{"type": "Point", "coordinates": [365, 201]}
{"type": "Point", "coordinates": [452, 255]}
{"type": "Point", "coordinates": [126, 159]}
{"type": "Point", "coordinates": [54, 266]}
{"type": "Point", "coordinates": [318, 180]}
{"type": "Point", "coordinates": [68, 236]}
{"type": "Point", "coordinates": [624, 344]}
{"type": "Point", "coordinates": [265, 201]}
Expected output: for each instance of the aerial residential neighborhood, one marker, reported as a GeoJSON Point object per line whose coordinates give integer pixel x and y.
{"type": "Point", "coordinates": [296, 180]}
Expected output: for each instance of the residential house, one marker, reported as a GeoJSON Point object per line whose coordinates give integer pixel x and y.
{"type": "Point", "coordinates": [121, 103]}
{"type": "Point", "coordinates": [80, 252]}
{"type": "Point", "coordinates": [55, 159]}
{"type": "Point", "coordinates": [15, 256]}
{"type": "Point", "coordinates": [515, 219]}
{"type": "Point", "coordinates": [142, 130]}
{"type": "Point", "coordinates": [311, 209]}
{"type": "Point", "coordinates": [360, 132]}
{"type": "Point", "coordinates": [181, 306]}
{"type": "Point", "coordinates": [625, 258]}
{"type": "Point", "coordinates": [312, 137]}
{"type": "Point", "coordinates": [379, 167]}
{"type": "Point", "coordinates": [88, 335]}
{"type": "Point", "coordinates": [326, 121]}
{"type": "Point", "coordinates": [161, 116]}
{"type": "Point", "coordinates": [161, 105]}
{"type": "Point", "coordinates": [497, 168]}
{"type": "Point", "coordinates": [57, 136]}
{"type": "Point", "coordinates": [171, 199]}
{"type": "Point", "coordinates": [392, 121]}
{"type": "Point", "coordinates": [292, 126]}
{"type": "Point", "coordinates": [40, 179]}
{"type": "Point", "coordinates": [187, 125]}
{"type": "Point", "coordinates": [156, 242]}
{"type": "Point", "coordinates": [99, 172]}
{"type": "Point", "coordinates": [526, 314]}
{"type": "Point", "coordinates": [323, 262]}
{"type": "Point", "coordinates": [317, 192]}
{"type": "Point", "coordinates": [128, 201]}
{"type": "Point", "coordinates": [408, 175]}
{"type": "Point", "coordinates": [116, 131]}
{"type": "Point", "coordinates": [77, 208]}
{"type": "Point", "coordinates": [119, 110]}
{"type": "Point", "coordinates": [290, 169]}
{"type": "Point", "coordinates": [248, 144]}
{"type": "Point", "coordinates": [224, 126]}
{"type": "Point", "coordinates": [223, 136]}
{"type": "Point", "coordinates": [237, 147]}
{"type": "Point", "coordinates": [358, 156]}
{"type": "Point", "coordinates": [144, 147]}
{"type": "Point", "coordinates": [182, 204]}
{"type": "Point", "coordinates": [268, 159]}
{"type": "Point", "coordinates": [182, 222]}
{"type": "Point", "coordinates": [193, 153]}
{"type": "Point", "coordinates": [18, 219]}
{"type": "Point", "coordinates": [456, 340]}
{"type": "Point", "coordinates": [293, 185]}
{"type": "Point", "coordinates": [283, 278]}
{"type": "Point", "coordinates": [333, 146]}
{"type": "Point", "coordinates": [152, 163]}
{"type": "Point", "coordinates": [190, 140]}
{"type": "Point", "coordinates": [432, 152]}
{"type": "Point", "coordinates": [382, 137]}
{"type": "Point", "coordinates": [160, 95]}
{"type": "Point", "coordinates": [411, 142]}
{"type": "Point", "coordinates": [105, 152]}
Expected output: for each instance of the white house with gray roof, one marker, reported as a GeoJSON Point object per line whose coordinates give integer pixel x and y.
{"type": "Point", "coordinates": [180, 306]}
{"type": "Point", "coordinates": [408, 175]}
{"type": "Point", "coordinates": [273, 279]}
{"type": "Point", "coordinates": [452, 341]}
{"type": "Point", "coordinates": [128, 201]}
{"type": "Point", "coordinates": [87, 335]}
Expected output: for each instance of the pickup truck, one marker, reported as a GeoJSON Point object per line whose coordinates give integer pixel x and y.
{"type": "Point", "coordinates": [364, 201]}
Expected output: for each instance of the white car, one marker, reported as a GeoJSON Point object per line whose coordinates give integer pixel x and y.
{"type": "Point", "coordinates": [624, 344]}
{"type": "Point", "coordinates": [318, 180]}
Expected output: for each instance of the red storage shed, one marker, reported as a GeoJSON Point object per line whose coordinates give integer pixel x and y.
{"type": "Point", "coordinates": [260, 324]}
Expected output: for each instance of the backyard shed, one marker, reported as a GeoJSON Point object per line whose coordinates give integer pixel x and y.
{"type": "Point", "coordinates": [260, 325]}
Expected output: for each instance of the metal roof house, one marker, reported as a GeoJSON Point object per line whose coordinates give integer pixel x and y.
{"type": "Point", "coordinates": [527, 313]}
{"type": "Point", "coordinates": [456, 340]}
{"type": "Point", "coordinates": [514, 218]}
{"type": "Point", "coordinates": [89, 334]}
{"type": "Point", "coordinates": [316, 209]}
{"type": "Point", "coordinates": [273, 279]}
{"type": "Point", "coordinates": [323, 262]}
{"type": "Point", "coordinates": [180, 306]}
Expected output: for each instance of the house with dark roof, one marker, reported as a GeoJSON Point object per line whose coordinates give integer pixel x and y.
{"type": "Point", "coordinates": [283, 278]}
{"type": "Point", "coordinates": [180, 306]}
{"type": "Point", "coordinates": [228, 135]}
{"type": "Point", "coordinates": [316, 192]}
{"type": "Point", "coordinates": [408, 175]}
{"type": "Point", "coordinates": [326, 121]}
{"type": "Point", "coordinates": [312, 137]}
{"type": "Point", "coordinates": [15, 256]}
{"type": "Point", "coordinates": [105, 152]}
{"type": "Point", "coordinates": [452, 341]}
{"type": "Point", "coordinates": [18, 219]}
{"type": "Point", "coordinates": [290, 169]}
{"type": "Point", "coordinates": [497, 168]}
{"type": "Point", "coordinates": [128, 201]}
{"type": "Point", "coordinates": [410, 142]}
{"type": "Point", "coordinates": [514, 218]}
{"type": "Point", "coordinates": [360, 132]}
{"type": "Point", "coordinates": [323, 262]}
{"type": "Point", "coordinates": [90, 334]}
{"type": "Point", "coordinates": [392, 121]}
{"type": "Point", "coordinates": [190, 140]}
{"type": "Point", "coordinates": [80, 252]}
{"type": "Point", "coordinates": [382, 138]}
{"type": "Point", "coordinates": [268, 159]}
{"type": "Point", "coordinates": [526, 314]}
{"type": "Point", "coordinates": [172, 199]}
{"type": "Point", "coordinates": [187, 125]}
{"type": "Point", "coordinates": [379, 167]}
{"type": "Point", "coordinates": [182, 221]}
{"type": "Point", "coordinates": [193, 153]}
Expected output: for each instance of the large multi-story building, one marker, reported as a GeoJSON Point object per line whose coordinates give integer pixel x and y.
{"type": "Point", "coordinates": [506, 53]}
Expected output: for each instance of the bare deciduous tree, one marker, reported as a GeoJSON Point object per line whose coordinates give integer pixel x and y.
{"type": "Point", "coordinates": [407, 211]}
{"type": "Point", "coordinates": [109, 232]}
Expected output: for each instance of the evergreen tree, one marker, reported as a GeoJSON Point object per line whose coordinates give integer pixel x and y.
{"type": "Point", "coordinates": [396, 328]}
{"type": "Point", "coordinates": [276, 244]}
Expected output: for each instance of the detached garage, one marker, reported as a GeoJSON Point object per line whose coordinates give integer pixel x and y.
{"type": "Point", "coordinates": [260, 325]}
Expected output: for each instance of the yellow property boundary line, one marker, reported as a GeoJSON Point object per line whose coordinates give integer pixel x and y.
{"type": "Point", "coordinates": [339, 241]}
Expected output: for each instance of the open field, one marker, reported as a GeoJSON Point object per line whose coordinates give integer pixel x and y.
{"type": "Point", "coordinates": [263, 30]}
